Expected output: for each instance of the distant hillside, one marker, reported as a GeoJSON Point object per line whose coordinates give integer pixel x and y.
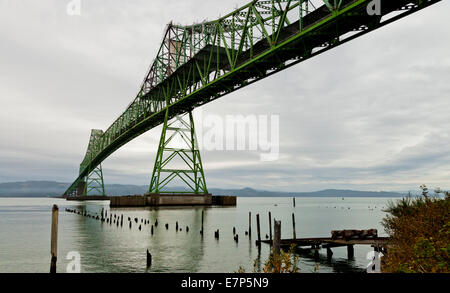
{"type": "Point", "coordinates": [248, 192]}
{"type": "Point", "coordinates": [32, 189]}
{"type": "Point", "coordinates": [53, 189]}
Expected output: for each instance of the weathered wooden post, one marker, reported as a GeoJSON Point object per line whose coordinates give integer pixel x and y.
{"type": "Point", "coordinates": [350, 251]}
{"type": "Point", "coordinates": [201, 231]}
{"type": "Point", "coordinates": [149, 259]}
{"type": "Point", "coordinates": [277, 238]}
{"type": "Point", "coordinates": [54, 239]}
{"type": "Point", "coordinates": [270, 225]}
{"type": "Point", "coordinates": [103, 211]}
{"type": "Point", "coordinates": [250, 224]}
{"type": "Point", "coordinates": [293, 201]}
{"type": "Point", "coordinates": [329, 253]}
{"type": "Point", "coordinates": [176, 226]}
{"type": "Point", "coordinates": [316, 253]}
{"type": "Point", "coordinates": [293, 225]}
{"type": "Point", "coordinates": [258, 229]}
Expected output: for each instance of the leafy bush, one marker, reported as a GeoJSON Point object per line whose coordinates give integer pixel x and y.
{"type": "Point", "coordinates": [420, 235]}
{"type": "Point", "coordinates": [285, 262]}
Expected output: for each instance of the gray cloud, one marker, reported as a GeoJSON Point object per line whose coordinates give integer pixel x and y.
{"type": "Point", "coordinates": [371, 114]}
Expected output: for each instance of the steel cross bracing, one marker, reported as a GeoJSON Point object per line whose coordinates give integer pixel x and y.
{"type": "Point", "coordinates": [94, 184]}
{"type": "Point", "coordinates": [199, 63]}
{"type": "Point", "coordinates": [180, 161]}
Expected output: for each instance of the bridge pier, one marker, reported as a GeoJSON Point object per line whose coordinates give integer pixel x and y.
{"type": "Point", "coordinates": [172, 200]}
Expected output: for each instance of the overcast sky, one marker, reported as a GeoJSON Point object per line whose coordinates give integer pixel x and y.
{"type": "Point", "coordinates": [372, 114]}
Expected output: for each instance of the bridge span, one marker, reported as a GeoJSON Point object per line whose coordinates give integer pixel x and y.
{"type": "Point", "coordinates": [200, 63]}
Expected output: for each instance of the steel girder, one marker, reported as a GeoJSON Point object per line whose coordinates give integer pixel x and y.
{"type": "Point", "coordinates": [199, 63]}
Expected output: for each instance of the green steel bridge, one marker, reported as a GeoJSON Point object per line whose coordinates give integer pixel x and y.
{"type": "Point", "coordinates": [200, 63]}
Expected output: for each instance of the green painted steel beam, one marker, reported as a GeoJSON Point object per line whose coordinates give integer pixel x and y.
{"type": "Point", "coordinates": [199, 63]}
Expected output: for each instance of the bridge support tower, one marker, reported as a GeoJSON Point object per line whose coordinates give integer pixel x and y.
{"type": "Point", "coordinates": [94, 184]}
{"type": "Point", "coordinates": [181, 163]}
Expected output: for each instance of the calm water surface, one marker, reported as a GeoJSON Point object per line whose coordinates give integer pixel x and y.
{"type": "Point", "coordinates": [25, 235]}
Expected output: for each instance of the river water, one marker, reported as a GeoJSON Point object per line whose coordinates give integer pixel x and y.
{"type": "Point", "coordinates": [25, 235]}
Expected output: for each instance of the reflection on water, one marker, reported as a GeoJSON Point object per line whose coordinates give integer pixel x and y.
{"type": "Point", "coordinates": [105, 247]}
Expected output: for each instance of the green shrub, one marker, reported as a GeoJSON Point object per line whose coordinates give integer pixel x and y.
{"type": "Point", "coordinates": [420, 235]}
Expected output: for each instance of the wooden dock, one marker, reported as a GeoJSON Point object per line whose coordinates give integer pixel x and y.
{"type": "Point", "coordinates": [329, 242]}
{"type": "Point", "coordinates": [378, 243]}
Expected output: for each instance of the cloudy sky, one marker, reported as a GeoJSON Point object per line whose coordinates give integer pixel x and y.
{"type": "Point", "coordinates": [372, 114]}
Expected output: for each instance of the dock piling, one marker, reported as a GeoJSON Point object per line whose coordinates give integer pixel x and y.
{"type": "Point", "coordinates": [316, 253]}
{"type": "Point", "coordinates": [329, 253]}
{"type": "Point", "coordinates": [293, 226]}
{"type": "Point", "coordinates": [149, 259]}
{"type": "Point", "coordinates": [350, 251]}
{"type": "Point", "coordinates": [54, 239]}
{"type": "Point", "coordinates": [270, 225]}
{"type": "Point", "coordinates": [277, 238]}
{"type": "Point", "coordinates": [203, 212]}
{"type": "Point", "coordinates": [258, 230]}
{"type": "Point", "coordinates": [250, 224]}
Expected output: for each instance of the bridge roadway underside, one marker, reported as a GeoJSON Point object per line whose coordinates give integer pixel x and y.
{"type": "Point", "coordinates": [321, 31]}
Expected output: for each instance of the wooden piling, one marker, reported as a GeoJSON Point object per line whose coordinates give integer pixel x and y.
{"type": "Point", "coordinates": [270, 225]}
{"type": "Point", "coordinates": [293, 226]}
{"type": "Point", "coordinates": [249, 224]}
{"type": "Point", "coordinates": [203, 212]}
{"type": "Point", "coordinates": [54, 239]}
{"type": "Point", "coordinates": [293, 199]}
{"type": "Point", "coordinates": [149, 259]}
{"type": "Point", "coordinates": [258, 229]}
{"type": "Point", "coordinates": [316, 253]}
{"type": "Point", "coordinates": [277, 238]}
{"type": "Point", "coordinates": [350, 251]}
{"type": "Point", "coordinates": [329, 254]}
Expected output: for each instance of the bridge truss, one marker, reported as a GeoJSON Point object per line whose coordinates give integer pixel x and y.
{"type": "Point", "coordinates": [200, 63]}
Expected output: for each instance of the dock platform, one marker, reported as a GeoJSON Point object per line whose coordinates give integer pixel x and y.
{"type": "Point", "coordinates": [325, 242]}
{"type": "Point", "coordinates": [378, 243]}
